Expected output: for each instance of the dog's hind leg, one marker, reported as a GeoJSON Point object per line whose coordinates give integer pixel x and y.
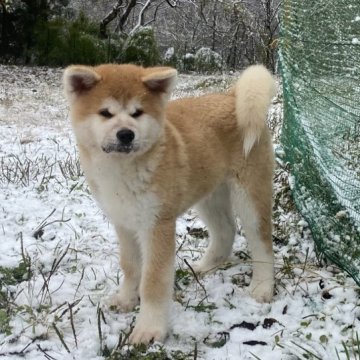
{"type": "Point", "coordinates": [252, 202]}
{"type": "Point", "coordinates": [215, 210]}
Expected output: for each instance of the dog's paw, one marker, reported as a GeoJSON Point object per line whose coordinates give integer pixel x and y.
{"type": "Point", "coordinates": [123, 302]}
{"type": "Point", "coordinates": [144, 333]}
{"type": "Point", "coordinates": [203, 266]}
{"type": "Point", "coordinates": [262, 292]}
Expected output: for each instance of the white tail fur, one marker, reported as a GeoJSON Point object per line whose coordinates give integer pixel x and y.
{"type": "Point", "coordinates": [254, 91]}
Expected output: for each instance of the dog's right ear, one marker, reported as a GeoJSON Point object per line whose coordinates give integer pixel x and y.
{"type": "Point", "coordinates": [78, 80]}
{"type": "Point", "coordinates": [160, 80]}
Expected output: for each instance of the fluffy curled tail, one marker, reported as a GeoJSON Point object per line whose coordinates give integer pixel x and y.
{"type": "Point", "coordinates": [253, 93]}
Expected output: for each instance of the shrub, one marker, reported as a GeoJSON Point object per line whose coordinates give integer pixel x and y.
{"type": "Point", "coordinates": [82, 44]}
{"type": "Point", "coordinates": [207, 61]}
{"type": "Point", "coordinates": [141, 48]}
{"type": "Point", "coordinates": [60, 42]}
{"type": "Point", "coordinates": [188, 62]}
{"type": "Point", "coordinates": [170, 58]}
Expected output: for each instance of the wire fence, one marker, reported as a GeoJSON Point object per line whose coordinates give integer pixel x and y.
{"type": "Point", "coordinates": [320, 66]}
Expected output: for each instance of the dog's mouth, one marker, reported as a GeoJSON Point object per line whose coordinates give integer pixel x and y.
{"type": "Point", "coordinates": [119, 148]}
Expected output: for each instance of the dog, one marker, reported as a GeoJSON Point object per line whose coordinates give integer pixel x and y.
{"type": "Point", "coordinates": [147, 160]}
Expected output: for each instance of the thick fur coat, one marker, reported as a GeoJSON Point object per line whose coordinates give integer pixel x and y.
{"type": "Point", "coordinates": [148, 159]}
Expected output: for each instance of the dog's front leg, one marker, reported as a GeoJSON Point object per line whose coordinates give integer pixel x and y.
{"type": "Point", "coordinates": [157, 277]}
{"type": "Point", "coordinates": [127, 296]}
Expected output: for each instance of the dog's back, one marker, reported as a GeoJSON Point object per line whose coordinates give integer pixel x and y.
{"type": "Point", "coordinates": [242, 108]}
{"type": "Point", "coordinates": [219, 135]}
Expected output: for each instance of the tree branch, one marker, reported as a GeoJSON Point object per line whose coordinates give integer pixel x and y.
{"type": "Point", "coordinates": [170, 4]}
{"type": "Point", "coordinates": [140, 21]}
{"type": "Point", "coordinates": [124, 17]}
{"type": "Point", "coordinates": [109, 18]}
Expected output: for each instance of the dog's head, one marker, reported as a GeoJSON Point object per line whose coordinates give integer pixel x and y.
{"type": "Point", "coordinates": [118, 109]}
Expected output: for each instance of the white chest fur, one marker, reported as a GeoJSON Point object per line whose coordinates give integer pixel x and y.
{"type": "Point", "coordinates": [124, 191]}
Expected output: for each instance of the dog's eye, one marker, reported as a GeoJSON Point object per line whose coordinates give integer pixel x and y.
{"type": "Point", "coordinates": [137, 113]}
{"type": "Point", "coordinates": [106, 113]}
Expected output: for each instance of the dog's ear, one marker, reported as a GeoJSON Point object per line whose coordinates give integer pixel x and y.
{"type": "Point", "coordinates": [79, 79]}
{"type": "Point", "coordinates": [160, 79]}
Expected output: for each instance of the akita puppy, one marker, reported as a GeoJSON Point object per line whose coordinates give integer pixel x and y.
{"type": "Point", "coordinates": [148, 159]}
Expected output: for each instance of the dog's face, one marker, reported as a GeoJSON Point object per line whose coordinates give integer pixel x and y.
{"type": "Point", "coordinates": [118, 109]}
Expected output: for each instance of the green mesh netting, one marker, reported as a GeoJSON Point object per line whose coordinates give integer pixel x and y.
{"type": "Point", "coordinates": [320, 66]}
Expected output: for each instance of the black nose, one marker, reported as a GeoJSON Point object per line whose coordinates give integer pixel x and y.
{"type": "Point", "coordinates": [125, 136]}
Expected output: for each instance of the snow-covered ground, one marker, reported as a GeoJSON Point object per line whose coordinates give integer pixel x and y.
{"type": "Point", "coordinates": [58, 257]}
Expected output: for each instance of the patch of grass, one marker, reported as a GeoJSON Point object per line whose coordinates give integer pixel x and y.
{"type": "Point", "coordinates": [287, 268]}
{"type": "Point", "coordinates": [201, 307]}
{"type": "Point", "coordinates": [10, 276]}
{"type": "Point", "coordinates": [242, 255]}
{"type": "Point", "coordinates": [221, 84]}
{"type": "Point", "coordinates": [182, 277]}
{"type": "Point", "coordinates": [42, 170]}
{"type": "Point", "coordinates": [13, 276]}
{"type": "Point", "coordinates": [307, 354]}
{"type": "Point", "coordinates": [238, 280]}
{"type": "Point", "coordinates": [350, 348]}
{"type": "Point", "coordinates": [4, 320]}
{"type": "Point", "coordinates": [218, 340]}
{"type": "Point", "coordinates": [255, 356]}
{"type": "Point", "coordinates": [283, 204]}
{"type": "Point", "coordinates": [198, 233]}
{"type": "Point", "coordinates": [153, 352]}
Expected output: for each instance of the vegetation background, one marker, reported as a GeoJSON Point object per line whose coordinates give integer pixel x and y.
{"type": "Point", "coordinates": [202, 35]}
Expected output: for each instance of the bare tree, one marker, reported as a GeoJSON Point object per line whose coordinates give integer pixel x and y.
{"type": "Point", "coordinates": [132, 14]}
{"type": "Point", "coordinates": [122, 10]}
{"type": "Point", "coordinates": [241, 31]}
{"type": "Point", "coordinates": [271, 27]}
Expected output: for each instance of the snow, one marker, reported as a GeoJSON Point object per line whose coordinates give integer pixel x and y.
{"type": "Point", "coordinates": [169, 53]}
{"type": "Point", "coordinates": [74, 263]}
{"type": "Point", "coordinates": [189, 56]}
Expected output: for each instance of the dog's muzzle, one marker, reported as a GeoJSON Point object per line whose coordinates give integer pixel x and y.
{"type": "Point", "coordinates": [125, 143]}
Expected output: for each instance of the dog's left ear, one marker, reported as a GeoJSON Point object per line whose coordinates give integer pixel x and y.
{"type": "Point", "coordinates": [78, 80]}
{"type": "Point", "coordinates": [161, 80]}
